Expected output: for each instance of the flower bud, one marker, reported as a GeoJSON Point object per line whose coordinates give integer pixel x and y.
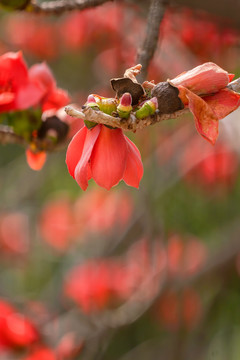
{"type": "Point", "coordinates": [91, 102]}
{"type": "Point", "coordinates": [125, 107]}
{"type": "Point", "coordinates": [147, 109]}
{"type": "Point", "coordinates": [108, 105]}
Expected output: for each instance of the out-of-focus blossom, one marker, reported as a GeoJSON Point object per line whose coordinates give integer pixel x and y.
{"type": "Point", "coordinates": [211, 168]}
{"type": "Point", "coordinates": [41, 353]}
{"type": "Point", "coordinates": [68, 347]}
{"type": "Point", "coordinates": [14, 232]}
{"type": "Point", "coordinates": [57, 223]}
{"type": "Point", "coordinates": [106, 155]}
{"type": "Point", "coordinates": [101, 283]}
{"type": "Point", "coordinates": [99, 211]}
{"type": "Point", "coordinates": [33, 34]}
{"type": "Point", "coordinates": [185, 258]}
{"type": "Point", "coordinates": [179, 310]}
{"type": "Point", "coordinates": [78, 30]}
{"type": "Point", "coordinates": [15, 329]}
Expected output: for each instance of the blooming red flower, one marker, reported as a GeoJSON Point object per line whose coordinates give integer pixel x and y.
{"type": "Point", "coordinates": [17, 90]}
{"type": "Point", "coordinates": [203, 89]}
{"type": "Point", "coordinates": [106, 155]}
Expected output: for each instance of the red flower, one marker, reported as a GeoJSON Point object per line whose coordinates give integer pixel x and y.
{"type": "Point", "coordinates": [106, 155]}
{"type": "Point", "coordinates": [15, 329]}
{"type": "Point", "coordinates": [17, 90]}
{"type": "Point", "coordinates": [41, 353]}
{"type": "Point", "coordinates": [53, 97]}
{"type": "Point", "coordinates": [217, 101]}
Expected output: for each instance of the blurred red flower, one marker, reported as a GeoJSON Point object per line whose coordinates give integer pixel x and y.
{"type": "Point", "coordinates": [18, 90]}
{"type": "Point", "coordinates": [41, 353]}
{"type": "Point", "coordinates": [175, 310]}
{"type": "Point", "coordinates": [185, 256]}
{"type": "Point", "coordinates": [15, 329]}
{"type": "Point", "coordinates": [14, 232]}
{"type": "Point", "coordinates": [106, 155]}
{"type": "Point", "coordinates": [211, 168]}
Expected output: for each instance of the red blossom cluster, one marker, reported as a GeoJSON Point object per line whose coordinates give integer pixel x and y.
{"type": "Point", "coordinates": [100, 283]}
{"type": "Point", "coordinates": [205, 36]}
{"type": "Point", "coordinates": [20, 336]}
{"type": "Point", "coordinates": [25, 89]}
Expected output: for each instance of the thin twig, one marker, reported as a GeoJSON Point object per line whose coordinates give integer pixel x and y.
{"type": "Point", "coordinates": [155, 16]}
{"type": "Point", "coordinates": [60, 6]}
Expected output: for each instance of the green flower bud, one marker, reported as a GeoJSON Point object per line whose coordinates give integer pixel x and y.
{"type": "Point", "coordinates": [147, 109]}
{"type": "Point", "coordinates": [107, 105]}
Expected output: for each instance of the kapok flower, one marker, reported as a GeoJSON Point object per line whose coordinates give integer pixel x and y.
{"type": "Point", "coordinates": [17, 90]}
{"type": "Point", "coordinates": [106, 155]}
{"type": "Point", "coordinates": [203, 89]}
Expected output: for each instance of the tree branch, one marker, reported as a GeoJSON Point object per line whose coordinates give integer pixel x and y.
{"type": "Point", "coordinates": [60, 6]}
{"type": "Point", "coordinates": [155, 16]}
{"type": "Point", "coordinates": [7, 136]}
{"type": "Point", "coordinates": [132, 123]}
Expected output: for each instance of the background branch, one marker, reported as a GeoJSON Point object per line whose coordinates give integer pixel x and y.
{"type": "Point", "coordinates": [147, 50]}
{"type": "Point", "coordinates": [60, 6]}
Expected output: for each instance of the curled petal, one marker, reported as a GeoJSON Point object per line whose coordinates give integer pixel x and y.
{"type": "Point", "coordinates": [108, 159]}
{"type": "Point", "coordinates": [81, 172]}
{"type": "Point", "coordinates": [204, 79]}
{"type": "Point", "coordinates": [223, 102]}
{"type": "Point", "coordinates": [206, 120]}
{"type": "Point", "coordinates": [74, 151]}
{"type": "Point", "coordinates": [134, 167]}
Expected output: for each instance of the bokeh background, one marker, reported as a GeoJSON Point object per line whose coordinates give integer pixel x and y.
{"type": "Point", "coordinates": [150, 273]}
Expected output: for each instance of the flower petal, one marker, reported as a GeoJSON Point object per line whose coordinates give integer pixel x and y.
{"type": "Point", "coordinates": [134, 167]}
{"type": "Point", "coordinates": [36, 160]}
{"type": "Point", "coordinates": [28, 95]}
{"type": "Point", "coordinates": [204, 79]}
{"type": "Point", "coordinates": [74, 151]}
{"type": "Point", "coordinates": [108, 159]}
{"type": "Point", "coordinates": [206, 120]}
{"type": "Point", "coordinates": [82, 172]}
{"type": "Point", "coordinates": [223, 102]}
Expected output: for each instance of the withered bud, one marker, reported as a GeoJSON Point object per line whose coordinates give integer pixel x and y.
{"type": "Point", "coordinates": [167, 97]}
